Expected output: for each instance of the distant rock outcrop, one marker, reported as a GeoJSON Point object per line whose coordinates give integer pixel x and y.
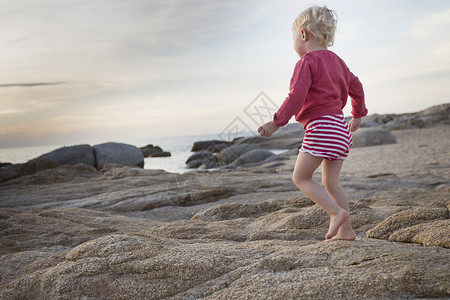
{"type": "Point", "coordinates": [223, 154]}
{"type": "Point", "coordinates": [375, 130]}
{"type": "Point", "coordinates": [213, 145]}
{"type": "Point", "coordinates": [154, 151]}
{"type": "Point", "coordinates": [4, 165]}
{"type": "Point", "coordinates": [435, 115]}
{"type": "Point", "coordinates": [230, 154]}
{"type": "Point", "coordinates": [256, 157]}
{"type": "Point", "coordinates": [199, 158]}
{"type": "Point", "coordinates": [97, 156]}
{"type": "Point", "coordinates": [123, 154]}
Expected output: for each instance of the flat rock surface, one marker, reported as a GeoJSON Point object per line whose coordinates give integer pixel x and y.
{"type": "Point", "coordinates": [127, 233]}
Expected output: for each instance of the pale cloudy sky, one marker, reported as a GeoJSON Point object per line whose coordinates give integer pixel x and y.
{"type": "Point", "coordinates": [79, 71]}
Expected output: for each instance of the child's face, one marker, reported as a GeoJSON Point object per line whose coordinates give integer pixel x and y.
{"type": "Point", "coordinates": [299, 41]}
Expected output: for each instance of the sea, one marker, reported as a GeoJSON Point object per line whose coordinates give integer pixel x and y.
{"type": "Point", "coordinates": [179, 147]}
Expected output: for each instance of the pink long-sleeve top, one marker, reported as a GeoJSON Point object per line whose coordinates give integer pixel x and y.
{"type": "Point", "coordinates": [320, 86]}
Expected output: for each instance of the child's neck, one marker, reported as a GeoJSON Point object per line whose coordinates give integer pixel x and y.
{"type": "Point", "coordinates": [313, 46]}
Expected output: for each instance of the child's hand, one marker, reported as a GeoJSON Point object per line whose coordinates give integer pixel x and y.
{"type": "Point", "coordinates": [354, 124]}
{"type": "Point", "coordinates": [268, 129]}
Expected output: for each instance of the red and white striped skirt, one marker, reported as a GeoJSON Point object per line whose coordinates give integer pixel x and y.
{"type": "Point", "coordinates": [328, 137]}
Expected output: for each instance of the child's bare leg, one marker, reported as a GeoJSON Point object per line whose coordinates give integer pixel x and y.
{"type": "Point", "coordinates": [304, 169]}
{"type": "Point", "coordinates": [330, 180]}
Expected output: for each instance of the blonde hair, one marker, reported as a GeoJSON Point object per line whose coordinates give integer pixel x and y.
{"type": "Point", "coordinates": [318, 21]}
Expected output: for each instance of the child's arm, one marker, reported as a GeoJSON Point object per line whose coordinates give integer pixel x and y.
{"type": "Point", "coordinates": [298, 90]}
{"type": "Point", "coordinates": [356, 92]}
{"type": "Point", "coordinates": [268, 129]}
{"type": "Point", "coordinates": [359, 110]}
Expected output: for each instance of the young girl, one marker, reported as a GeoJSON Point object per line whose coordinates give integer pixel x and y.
{"type": "Point", "coordinates": [319, 89]}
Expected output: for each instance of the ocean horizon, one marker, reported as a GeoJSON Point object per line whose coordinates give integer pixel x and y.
{"type": "Point", "coordinates": [179, 147]}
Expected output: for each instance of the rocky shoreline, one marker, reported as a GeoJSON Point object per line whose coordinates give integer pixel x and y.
{"type": "Point", "coordinates": [253, 151]}
{"type": "Point", "coordinates": [123, 232]}
{"type": "Point", "coordinates": [96, 156]}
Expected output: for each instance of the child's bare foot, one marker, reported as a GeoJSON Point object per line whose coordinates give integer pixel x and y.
{"type": "Point", "coordinates": [345, 236]}
{"type": "Point", "coordinates": [336, 221]}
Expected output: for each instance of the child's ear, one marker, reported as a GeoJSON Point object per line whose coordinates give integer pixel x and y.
{"type": "Point", "coordinates": [303, 34]}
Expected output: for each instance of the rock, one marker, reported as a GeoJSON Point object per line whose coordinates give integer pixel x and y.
{"type": "Point", "coordinates": [272, 165]}
{"type": "Point", "coordinates": [72, 155]}
{"type": "Point", "coordinates": [407, 218]}
{"type": "Point", "coordinates": [293, 152]}
{"type": "Point", "coordinates": [375, 120]}
{"type": "Point", "coordinates": [253, 156]}
{"type": "Point", "coordinates": [255, 139]}
{"type": "Point", "coordinates": [96, 156]}
{"type": "Point", "coordinates": [374, 136]}
{"type": "Point", "coordinates": [154, 151]}
{"type": "Point", "coordinates": [149, 150]}
{"type": "Point", "coordinates": [28, 168]}
{"type": "Point", "coordinates": [194, 164]}
{"type": "Point", "coordinates": [161, 154]}
{"type": "Point", "coordinates": [433, 233]}
{"type": "Point", "coordinates": [283, 143]}
{"type": "Point", "coordinates": [439, 114]}
{"type": "Point", "coordinates": [231, 153]}
{"type": "Point", "coordinates": [204, 145]}
{"type": "Point", "coordinates": [280, 142]}
{"type": "Point", "coordinates": [80, 253]}
{"type": "Point", "coordinates": [80, 154]}
{"type": "Point", "coordinates": [50, 173]}
{"type": "Point", "coordinates": [209, 165]}
{"type": "Point", "coordinates": [4, 165]}
{"type": "Point", "coordinates": [203, 157]}
{"type": "Point", "coordinates": [290, 130]}
{"type": "Point", "coordinates": [123, 154]}
{"type": "Point", "coordinates": [200, 155]}
{"type": "Point", "coordinates": [442, 110]}
{"type": "Point", "coordinates": [231, 211]}
{"type": "Point", "coordinates": [217, 147]}
{"type": "Point", "coordinates": [241, 146]}
{"type": "Point", "coordinates": [253, 159]}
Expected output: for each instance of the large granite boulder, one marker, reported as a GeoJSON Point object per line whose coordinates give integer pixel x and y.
{"type": "Point", "coordinates": [123, 154]}
{"type": "Point", "coordinates": [372, 136]}
{"type": "Point", "coordinates": [72, 155]}
{"type": "Point", "coordinates": [203, 154]}
{"type": "Point", "coordinates": [232, 153]}
{"type": "Point", "coordinates": [199, 158]}
{"type": "Point", "coordinates": [254, 156]}
{"type": "Point", "coordinates": [213, 145]}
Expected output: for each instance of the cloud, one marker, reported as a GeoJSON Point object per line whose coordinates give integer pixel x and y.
{"type": "Point", "coordinates": [91, 66]}
{"type": "Point", "coordinates": [21, 39]}
{"type": "Point", "coordinates": [33, 84]}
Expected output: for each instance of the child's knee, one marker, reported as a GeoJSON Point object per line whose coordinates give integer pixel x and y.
{"type": "Point", "coordinates": [298, 180]}
{"type": "Point", "coordinates": [295, 180]}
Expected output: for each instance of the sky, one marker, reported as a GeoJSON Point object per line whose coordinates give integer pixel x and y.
{"type": "Point", "coordinates": [84, 71]}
